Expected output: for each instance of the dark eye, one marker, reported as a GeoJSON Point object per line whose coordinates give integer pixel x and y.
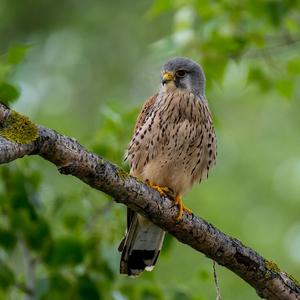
{"type": "Point", "coordinates": [181, 73]}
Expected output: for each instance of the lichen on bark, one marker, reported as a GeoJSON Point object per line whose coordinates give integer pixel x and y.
{"type": "Point", "coordinates": [270, 265]}
{"type": "Point", "coordinates": [19, 129]}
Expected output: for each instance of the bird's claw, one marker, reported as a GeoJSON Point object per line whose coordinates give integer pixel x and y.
{"type": "Point", "coordinates": [166, 191]}
{"type": "Point", "coordinates": [163, 190]}
{"type": "Point", "coordinates": [178, 201]}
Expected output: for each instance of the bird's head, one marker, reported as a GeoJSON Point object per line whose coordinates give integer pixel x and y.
{"type": "Point", "coordinates": [183, 73]}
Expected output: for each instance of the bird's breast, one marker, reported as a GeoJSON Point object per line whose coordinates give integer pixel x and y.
{"type": "Point", "coordinates": [172, 146]}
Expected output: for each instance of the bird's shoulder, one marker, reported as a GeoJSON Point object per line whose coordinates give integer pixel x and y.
{"type": "Point", "coordinates": [144, 113]}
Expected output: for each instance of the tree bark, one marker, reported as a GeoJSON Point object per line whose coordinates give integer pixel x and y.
{"type": "Point", "coordinates": [72, 158]}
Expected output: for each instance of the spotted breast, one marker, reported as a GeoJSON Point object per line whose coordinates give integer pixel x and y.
{"type": "Point", "coordinates": [175, 145]}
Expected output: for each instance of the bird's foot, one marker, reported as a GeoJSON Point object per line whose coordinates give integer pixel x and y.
{"type": "Point", "coordinates": [178, 201]}
{"type": "Point", "coordinates": [166, 191]}
{"type": "Point", "coordinates": [163, 190]}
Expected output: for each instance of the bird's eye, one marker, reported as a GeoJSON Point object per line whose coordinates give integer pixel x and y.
{"type": "Point", "coordinates": [181, 73]}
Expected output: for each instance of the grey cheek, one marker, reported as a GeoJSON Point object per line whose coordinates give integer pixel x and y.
{"type": "Point", "coordinates": [187, 83]}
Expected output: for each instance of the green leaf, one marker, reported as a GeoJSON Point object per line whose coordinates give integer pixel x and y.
{"type": "Point", "coordinates": [16, 54]}
{"type": "Point", "coordinates": [158, 7]}
{"type": "Point", "coordinates": [55, 287]}
{"type": "Point", "coordinates": [8, 93]}
{"type": "Point", "coordinates": [181, 295]}
{"type": "Point", "coordinates": [38, 236]}
{"type": "Point", "coordinates": [285, 88]}
{"type": "Point", "coordinates": [293, 67]}
{"type": "Point", "coordinates": [4, 70]}
{"type": "Point", "coordinates": [34, 229]}
{"type": "Point", "coordinates": [7, 239]}
{"type": "Point", "coordinates": [6, 276]}
{"type": "Point", "coordinates": [65, 251]}
{"type": "Point", "coordinates": [204, 275]}
{"type": "Point", "coordinates": [276, 11]}
{"type": "Point", "coordinates": [106, 270]}
{"type": "Point", "coordinates": [72, 221]}
{"type": "Point", "coordinates": [87, 289]}
{"type": "Point", "coordinates": [258, 76]}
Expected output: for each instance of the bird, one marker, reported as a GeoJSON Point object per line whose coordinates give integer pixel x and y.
{"type": "Point", "coordinates": [173, 146]}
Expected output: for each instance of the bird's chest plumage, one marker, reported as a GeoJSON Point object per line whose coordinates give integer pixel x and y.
{"type": "Point", "coordinates": [175, 145]}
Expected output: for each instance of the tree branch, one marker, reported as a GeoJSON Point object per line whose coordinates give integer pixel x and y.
{"type": "Point", "coordinates": [71, 158]}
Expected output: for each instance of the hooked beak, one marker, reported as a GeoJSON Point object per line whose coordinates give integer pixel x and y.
{"type": "Point", "coordinates": [167, 76]}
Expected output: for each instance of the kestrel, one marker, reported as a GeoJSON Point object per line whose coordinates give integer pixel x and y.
{"type": "Point", "coordinates": [173, 146]}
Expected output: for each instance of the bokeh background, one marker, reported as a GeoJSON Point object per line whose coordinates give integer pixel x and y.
{"type": "Point", "coordinates": [84, 68]}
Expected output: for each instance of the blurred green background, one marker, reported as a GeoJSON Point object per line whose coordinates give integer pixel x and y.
{"type": "Point", "coordinates": [84, 68]}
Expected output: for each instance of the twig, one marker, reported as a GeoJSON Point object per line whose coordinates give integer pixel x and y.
{"type": "Point", "coordinates": [218, 296]}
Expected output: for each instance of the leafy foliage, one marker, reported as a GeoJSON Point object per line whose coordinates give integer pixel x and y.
{"type": "Point", "coordinates": [222, 31]}
{"type": "Point", "coordinates": [8, 92]}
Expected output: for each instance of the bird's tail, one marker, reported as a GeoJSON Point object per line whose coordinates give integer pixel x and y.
{"type": "Point", "coordinates": [141, 246]}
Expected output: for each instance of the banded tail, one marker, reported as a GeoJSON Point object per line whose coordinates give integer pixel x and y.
{"type": "Point", "coordinates": [141, 246]}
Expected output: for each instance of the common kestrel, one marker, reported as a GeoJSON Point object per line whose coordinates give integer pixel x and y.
{"type": "Point", "coordinates": [173, 146]}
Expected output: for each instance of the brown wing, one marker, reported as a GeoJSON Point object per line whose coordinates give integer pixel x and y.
{"type": "Point", "coordinates": [141, 119]}
{"type": "Point", "coordinates": [134, 261]}
{"type": "Point", "coordinates": [144, 112]}
{"type": "Point", "coordinates": [148, 104]}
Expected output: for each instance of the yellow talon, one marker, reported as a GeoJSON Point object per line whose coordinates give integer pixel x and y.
{"type": "Point", "coordinates": [163, 190]}
{"type": "Point", "coordinates": [178, 201]}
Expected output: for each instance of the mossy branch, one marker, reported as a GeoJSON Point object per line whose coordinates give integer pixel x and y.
{"type": "Point", "coordinates": [71, 158]}
{"type": "Point", "coordinates": [19, 129]}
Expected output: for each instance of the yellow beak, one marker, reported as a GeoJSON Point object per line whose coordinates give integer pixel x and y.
{"type": "Point", "coordinates": [167, 76]}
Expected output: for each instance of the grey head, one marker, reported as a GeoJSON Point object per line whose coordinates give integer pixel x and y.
{"type": "Point", "coordinates": [185, 73]}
